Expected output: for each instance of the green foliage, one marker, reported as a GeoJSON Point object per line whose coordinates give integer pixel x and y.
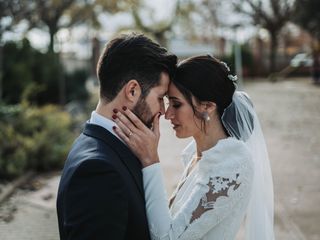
{"type": "Point", "coordinates": [75, 83]}
{"type": "Point", "coordinates": [33, 138]}
{"type": "Point", "coordinates": [29, 75]}
{"type": "Point", "coordinates": [16, 71]}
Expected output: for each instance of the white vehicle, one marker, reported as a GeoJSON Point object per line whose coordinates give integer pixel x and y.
{"type": "Point", "coordinates": [301, 60]}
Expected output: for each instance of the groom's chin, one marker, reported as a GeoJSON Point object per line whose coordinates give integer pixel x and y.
{"type": "Point", "coordinates": [149, 124]}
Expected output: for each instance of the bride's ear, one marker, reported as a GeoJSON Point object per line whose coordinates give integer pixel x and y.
{"type": "Point", "coordinates": [132, 91]}
{"type": "Point", "coordinates": [208, 107]}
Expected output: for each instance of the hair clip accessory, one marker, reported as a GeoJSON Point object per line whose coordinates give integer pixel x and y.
{"type": "Point", "coordinates": [226, 66]}
{"type": "Point", "coordinates": [233, 78]}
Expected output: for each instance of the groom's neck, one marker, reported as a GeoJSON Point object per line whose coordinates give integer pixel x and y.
{"type": "Point", "coordinates": [105, 109]}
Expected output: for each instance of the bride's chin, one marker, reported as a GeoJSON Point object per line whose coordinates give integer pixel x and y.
{"type": "Point", "coordinates": [181, 135]}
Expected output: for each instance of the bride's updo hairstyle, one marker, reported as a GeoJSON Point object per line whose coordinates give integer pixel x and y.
{"type": "Point", "coordinates": [205, 78]}
{"type": "Point", "coordinates": [208, 79]}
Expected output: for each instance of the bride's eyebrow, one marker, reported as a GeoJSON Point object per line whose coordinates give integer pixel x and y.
{"type": "Point", "coordinates": [173, 98]}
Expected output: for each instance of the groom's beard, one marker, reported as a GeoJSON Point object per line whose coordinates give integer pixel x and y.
{"type": "Point", "coordinates": [143, 112]}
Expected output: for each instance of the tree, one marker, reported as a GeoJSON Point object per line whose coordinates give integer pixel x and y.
{"type": "Point", "coordinates": [271, 15]}
{"type": "Point", "coordinates": [50, 13]}
{"type": "Point", "coordinates": [11, 13]}
{"type": "Point", "coordinates": [57, 14]}
{"type": "Point", "coordinates": [214, 12]}
{"type": "Point", "coordinates": [309, 18]}
{"type": "Point", "coordinates": [88, 12]}
{"type": "Point", "coordinates": [53, 15]}
{"type": "Point", "coordinates": [159, 29]}
{"type": "Point", "coordinates": [35, 80]}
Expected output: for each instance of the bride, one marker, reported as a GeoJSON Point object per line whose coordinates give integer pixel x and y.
{"type": "Point", "coordinates": [227, 177]}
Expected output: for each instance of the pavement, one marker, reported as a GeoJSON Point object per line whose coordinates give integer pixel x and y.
{"type": "Point", "coordinates": [289, 112]}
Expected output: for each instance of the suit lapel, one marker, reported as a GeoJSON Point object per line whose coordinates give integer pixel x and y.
{"type": "Point", "coordinates": [126, 156]}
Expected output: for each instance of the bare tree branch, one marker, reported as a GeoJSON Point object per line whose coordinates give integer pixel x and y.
{"type": "Point", "coordinates": [273, 19]}
{"type": "Point", "coordinates": [157, 30]}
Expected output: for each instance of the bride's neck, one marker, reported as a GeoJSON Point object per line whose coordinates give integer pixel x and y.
{"type": "Point", "coordinates": [208, 139]}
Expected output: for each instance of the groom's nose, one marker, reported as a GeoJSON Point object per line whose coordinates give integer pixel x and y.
{"type": "Point", "coordinates": [162, 109]}
{"type": "Point", "coordinates": [168, 114]}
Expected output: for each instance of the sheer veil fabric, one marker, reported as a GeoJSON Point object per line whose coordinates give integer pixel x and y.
{"type": "Point", "coordinates": [241, 122]}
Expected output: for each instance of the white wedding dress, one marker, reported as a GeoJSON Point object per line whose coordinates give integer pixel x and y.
{"type": "Point", "coordinates": [210, 201]}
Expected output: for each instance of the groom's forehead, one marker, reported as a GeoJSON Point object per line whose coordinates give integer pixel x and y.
{"type": "Point", "coordinates": [159, 91]}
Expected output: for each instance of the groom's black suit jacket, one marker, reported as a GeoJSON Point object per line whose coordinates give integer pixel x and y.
{"type": "Point", "coordinates": [101, 194]}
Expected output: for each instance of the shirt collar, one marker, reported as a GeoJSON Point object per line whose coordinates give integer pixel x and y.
{"type": "Point", "coordinates": [104, 122]}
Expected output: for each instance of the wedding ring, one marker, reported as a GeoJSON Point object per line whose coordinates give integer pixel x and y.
{"type": "Point", "coordinates": [130, 134]}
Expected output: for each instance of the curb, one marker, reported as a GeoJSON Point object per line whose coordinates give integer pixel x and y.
{"type": "Point", "coordinates": [11, 187]}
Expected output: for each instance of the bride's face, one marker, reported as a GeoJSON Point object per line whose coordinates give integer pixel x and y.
{"type": "Point", "coordinates": [181, 114]}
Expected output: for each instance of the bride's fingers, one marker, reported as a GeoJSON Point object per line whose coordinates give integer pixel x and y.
{"type": "Point", "coordinates": [121, 134]}
{"type": "Point", "coordinates": [119, 117]}
{"type": "Point", "coordinates": [132, 140]}
{"type": "Point", "coordinates": [133, 118]}
{"type": "Point", "coordinates": [122, 126]}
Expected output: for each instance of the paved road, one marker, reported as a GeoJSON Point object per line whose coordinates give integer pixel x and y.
{"type": "Point", "coordinates": [290, 116]}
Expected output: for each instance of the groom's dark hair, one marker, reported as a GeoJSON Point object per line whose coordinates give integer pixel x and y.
{"type": "Point", "coordinates": [132, 56]}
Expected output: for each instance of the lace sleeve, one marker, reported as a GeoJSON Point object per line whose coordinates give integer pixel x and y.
{"type": "Point", "coordinates": [218, 188]}
{"type": "Point", "coordinates": [211, 199]}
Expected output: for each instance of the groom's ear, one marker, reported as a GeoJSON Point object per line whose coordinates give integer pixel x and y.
{"type": "Point", "coordinates": [132, 91]}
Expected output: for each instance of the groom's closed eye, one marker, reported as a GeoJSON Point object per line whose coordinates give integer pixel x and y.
{"type": "Point", "coordinates": [161, 97]}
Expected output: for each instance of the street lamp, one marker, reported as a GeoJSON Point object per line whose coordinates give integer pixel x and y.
{"type": "Point", "coordinates": [237, 57]}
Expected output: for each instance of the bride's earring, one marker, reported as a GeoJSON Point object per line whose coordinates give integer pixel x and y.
{"type": "Point", "coordinates": [206, 117]}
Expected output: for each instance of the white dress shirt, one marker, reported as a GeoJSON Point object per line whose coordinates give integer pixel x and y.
{"type": "Point", "coordinates": [104, 122]}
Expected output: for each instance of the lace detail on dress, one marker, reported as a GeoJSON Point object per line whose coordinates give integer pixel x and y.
{"type": "Point", "coordinates": [218, 187]}
{"type": "Point", "coordinates": [210, 202]}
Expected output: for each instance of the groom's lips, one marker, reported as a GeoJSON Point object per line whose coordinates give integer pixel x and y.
{"type": "Point", "coordinates": [175, 126]}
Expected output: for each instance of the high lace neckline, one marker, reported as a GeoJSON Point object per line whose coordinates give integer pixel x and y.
{"type": "Point", "coordinates": [218, 148]}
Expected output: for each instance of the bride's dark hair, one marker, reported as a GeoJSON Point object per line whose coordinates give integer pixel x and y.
{"type": "Point", "coordinates": [205, 78]}
{"type": "Point", "coordinates": [208, 79]}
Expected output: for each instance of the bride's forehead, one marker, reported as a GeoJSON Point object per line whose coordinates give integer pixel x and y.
{"type": "Point", "coordinates": [174, 94]}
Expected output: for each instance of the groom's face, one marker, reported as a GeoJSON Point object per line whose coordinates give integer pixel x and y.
{"type": "Point", "coordinates": [149, 106]}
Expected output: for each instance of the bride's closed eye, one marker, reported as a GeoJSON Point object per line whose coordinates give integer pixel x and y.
{"type": "Point", "coordinates": [174, 104]}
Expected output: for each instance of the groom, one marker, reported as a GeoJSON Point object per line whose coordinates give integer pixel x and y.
{"type": "Point", "coordinates": [101, 194]}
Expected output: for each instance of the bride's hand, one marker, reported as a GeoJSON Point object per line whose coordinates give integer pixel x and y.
{"type": "Point", "coordinates": [142, 141]}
